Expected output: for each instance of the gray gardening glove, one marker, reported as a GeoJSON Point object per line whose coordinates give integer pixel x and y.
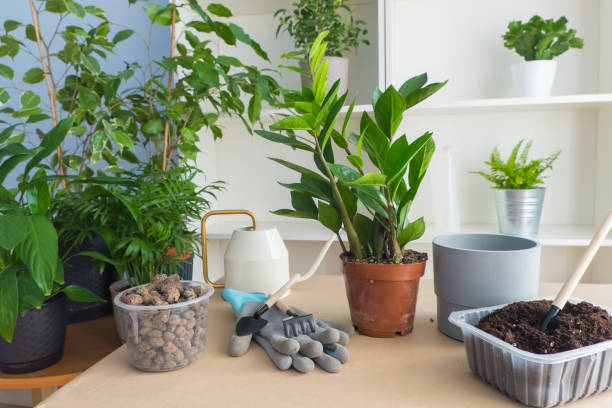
{"type": "Point", "coordinates": [325, 347]}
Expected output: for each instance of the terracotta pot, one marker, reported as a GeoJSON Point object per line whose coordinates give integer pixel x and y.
{"type": "Point", "coordinates": [382, 297]}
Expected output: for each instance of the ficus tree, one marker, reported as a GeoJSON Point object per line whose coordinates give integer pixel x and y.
{"type": "Point", "coordinates": [371, 206]}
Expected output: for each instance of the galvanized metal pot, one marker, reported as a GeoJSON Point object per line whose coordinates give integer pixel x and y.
{"type": "Point", "coordinates": [519, 211]}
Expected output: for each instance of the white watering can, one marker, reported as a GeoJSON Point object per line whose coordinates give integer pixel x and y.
{"type": "Point", "coordinates": [256, 260]}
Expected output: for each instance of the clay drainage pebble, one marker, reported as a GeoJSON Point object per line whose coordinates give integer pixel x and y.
{"type": "Point", "coordinates": [163, 333]}
{"type": "Point", "coordinates": [577, 325]}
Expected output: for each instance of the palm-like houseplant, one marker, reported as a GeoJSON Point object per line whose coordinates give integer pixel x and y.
{"type": "Point", "coordinates": [370, 206]}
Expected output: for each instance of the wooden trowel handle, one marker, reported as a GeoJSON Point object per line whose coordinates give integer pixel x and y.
{"type": "Point", "coordinates": [574, 278]}
{"type": "Point", "coordinates": [279, 293]}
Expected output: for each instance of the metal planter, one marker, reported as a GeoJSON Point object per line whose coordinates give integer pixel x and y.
{"type": "Point", "coordinates": [519, 211]}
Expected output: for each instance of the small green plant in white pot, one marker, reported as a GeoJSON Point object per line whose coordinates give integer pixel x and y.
{"type": "Point", "coordinates": [307, 19]}
{"type": "Point", "coordinates": [538, 41]}
{"type": "Point", "coordinates": [519, 190]}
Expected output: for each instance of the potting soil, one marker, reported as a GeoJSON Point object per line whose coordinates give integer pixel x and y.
{"type": "Point", "coordinates": [577, 325]}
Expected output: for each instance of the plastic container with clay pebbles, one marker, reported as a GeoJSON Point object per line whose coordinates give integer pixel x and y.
{"type": "Point", "coordinates": [167, 337]}
{"type": "Point", "coordinates": [538, 380]}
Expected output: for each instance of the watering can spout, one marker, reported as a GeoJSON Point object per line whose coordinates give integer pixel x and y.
{"type": "Point", "coordinates": [318, 259]}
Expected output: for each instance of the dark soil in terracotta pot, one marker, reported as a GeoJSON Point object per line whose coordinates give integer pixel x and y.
{"type": "Point", "coordinates": [382, 296]}
{"type": "Point", "coordinates": [577, 325]}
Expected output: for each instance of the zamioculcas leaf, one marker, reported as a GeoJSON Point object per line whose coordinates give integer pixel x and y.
{"type": "Point", "coordinates": [289, 141]}
{"type": "Point", "coordinates": [303, 202]}
{"type": "Point", "coordinates": [389, 110]}
{"type": "Point", "coordinates": [295, 214]}
{"type": "Point", "coordinates": [413, 231]}
{"type": "Point", "coordinates": [370, 179]}
{"type": "Point", "coordinates": [291, 123]}
{"type": "Point", "coordinates": [412, 85]}
{"type": "Point", "coordinates": [329, 217]}
{"type": "Point", "coordinates": [423, 93]}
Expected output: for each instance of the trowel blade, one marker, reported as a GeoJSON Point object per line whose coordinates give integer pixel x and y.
{"type": "Point", "coordinates": [249, 325]}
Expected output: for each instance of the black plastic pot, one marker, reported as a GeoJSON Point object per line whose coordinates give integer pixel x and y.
{"type": "Point", "coordinates": [38, 341]}
{"type": "Point", "coordinates": [185, 269]}
{"type": "Point", "coordinates": [83, 270]}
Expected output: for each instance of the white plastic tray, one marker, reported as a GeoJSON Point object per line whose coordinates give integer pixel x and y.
{"type": "Point", "coordinates": [539, 380]}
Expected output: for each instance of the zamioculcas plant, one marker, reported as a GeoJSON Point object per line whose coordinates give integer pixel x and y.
{"type": "Point", "coordinates": [334, 194]}
{"type": "Point", "coordinates": [371, 206]}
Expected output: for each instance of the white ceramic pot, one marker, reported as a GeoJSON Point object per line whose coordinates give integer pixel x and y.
{"type": "Point", "coordinates": [533, 78]}
{"type": "Point", "coordinates": [256, 261]}
{"type": "Point", "coordinates": [337, 68]}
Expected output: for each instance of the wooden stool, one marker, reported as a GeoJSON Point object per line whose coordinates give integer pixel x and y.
{"type": "Point", "coordinates": [86, 344]}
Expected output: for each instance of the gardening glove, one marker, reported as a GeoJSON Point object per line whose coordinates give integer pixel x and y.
{"type": "Point", "coordinates": [325, 347]}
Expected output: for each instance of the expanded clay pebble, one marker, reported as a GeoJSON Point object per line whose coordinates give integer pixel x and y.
{"type": "Point", "coordinates": [165, 339]}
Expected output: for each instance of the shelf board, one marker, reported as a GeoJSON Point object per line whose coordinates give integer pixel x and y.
{"type": "Point", "coordinates": [475, 106]}
{"type": "Point", "coordinates": [550, 235]}
{"type": "Point", "coordinates": [251, 7]}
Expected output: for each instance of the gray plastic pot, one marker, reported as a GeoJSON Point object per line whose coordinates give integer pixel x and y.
{"type": "Point", "coordinates": [480, 270]}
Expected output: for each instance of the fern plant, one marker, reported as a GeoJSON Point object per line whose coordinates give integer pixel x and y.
{"type": "Point", "coordinates": [517, 172]}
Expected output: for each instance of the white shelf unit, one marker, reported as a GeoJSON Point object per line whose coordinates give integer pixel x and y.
{"type": "Point", "coordinates": [459, 41]}
{"type": "Point", "coordinates": [549, 236]}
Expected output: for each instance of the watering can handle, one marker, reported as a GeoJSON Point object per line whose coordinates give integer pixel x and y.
{"type": "Point", "coordinates": [205, 253]}
{"type": "Point", "coordinates": [320, 257]}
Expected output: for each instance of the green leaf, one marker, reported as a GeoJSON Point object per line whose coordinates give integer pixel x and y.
{"type": "Point", "coordinates": [239, 34]}
{"type": "Point", "coordinates": [89, 99]}
{"type": "Point", "coordinates": [369, 179]}
{"type": "Point", "coordinates": [294, 214]}
{"type": "Point", "coordinates": [289, 141]}
{"type": "Point", "coordinates": [303, 202]}
{"type": "Point", "coordinates": [291, 123]}
{"type": "Point", "coordinates": [355, 161]}
{"type": "Point", "coordinates": [159, 14]}
{"type": "Point", "coordinates": [423, 93]}
{"type": "Point", "coordinates": [91, 64]}
{"type": "Point", "coordinates": [122, 139]}
{"type": "Point", "coordinates": [50, 142]}
{"type": "Point", "coordinates": [13, 225]}
{"type": "Point", "coordinates": [413, 231]}
{"type": "Point", "coordinates": [304, 171]}
{"type": "Point", "coordinates": [6, 71]}
{"type": "Point", "coordinates": [363, 226]}
{"type": "Point", "coordinates": [33, 76]}
{"type": "Point", "coordinates": [207, 73]}
{"type": "Point", "coordinates": [9, 302]}
{"type": "Point", "coordinates": [389, 111]}
{"type": "Point", "coordinates": [219, 10]}
{"type": "Point", "coordinates": [29, 99]}
{"type": "Point", "coordinates": [56, 6]}
{"type": "Point", "coordinates": [30, 295]}
{"type": "Point", "coordinates": [30, 33]}
{"type": "Point", "coordinates": [418, 168]}
{"type": "Point", "coordinates": [59, 272]}
{"type": "Point", "coordinates": [97, 256]}
{"type": "Point", "coordinates": [254, 110]}
{"type": "Point", "coordinates": [4, 96]}
{"type": "Point", "coordinates": [39, 251]}
{"type": "Point", "coordinates": [122, 36]}
{"type": "Point", "coordinates": [80, 294]}
{"type": "Point", "coordinates": [329, 217]}
{"type": "Point", "coordinates": [153, 127]}
{"type": "Point", "coordinates": [75, 8]}
{"type": "Point", "coordinates": [10, 25]}
{"type": "Point", "coordinates": [412, 84]}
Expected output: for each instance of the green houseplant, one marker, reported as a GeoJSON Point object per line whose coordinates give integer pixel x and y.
{"type": "Point", "coordinates": [538, 41]}
{"type": "Point", "coordinates": [307, 19]}
{"type": "Point", "coordinates": [164, 115]}
{"type": "Point", "coordinates": [370, 206]}
{"type": "Point", "coordinates": [32, 313]}
{"type": "Point", "coordinates": [518, 192]}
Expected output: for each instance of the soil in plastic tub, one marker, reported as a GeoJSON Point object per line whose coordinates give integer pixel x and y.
{"type": "Point", "coordinates": [576, 326]}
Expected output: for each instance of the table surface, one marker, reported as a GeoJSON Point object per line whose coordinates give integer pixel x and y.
{"type": "Point", "coordinates": [422, 369]}
{"type": "Point", "coordinates": [86, 343]}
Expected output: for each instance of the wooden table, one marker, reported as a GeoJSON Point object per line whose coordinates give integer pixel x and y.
{"type": "Point", "coordinates": [423, 369]}
{"type": "Point", "coordinates": [86, 343]}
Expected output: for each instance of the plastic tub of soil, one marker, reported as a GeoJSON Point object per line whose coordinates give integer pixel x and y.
{"type": "Point", "coordinates": [165, 322]}
{"type": "Point", "coordinates": [552, 375]}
